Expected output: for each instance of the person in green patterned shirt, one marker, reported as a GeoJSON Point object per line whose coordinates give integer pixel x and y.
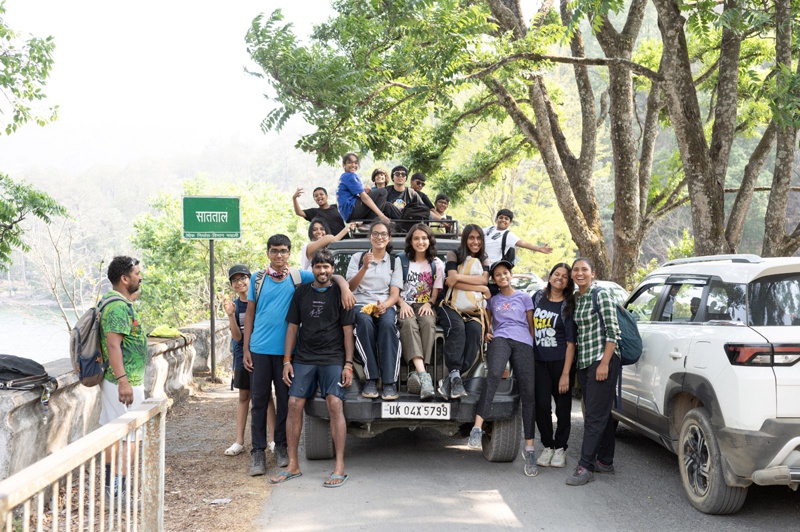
{"type": "Point", "coordinates": [124, 346]}
{"type": "Point", "coordinates": [598, 370]}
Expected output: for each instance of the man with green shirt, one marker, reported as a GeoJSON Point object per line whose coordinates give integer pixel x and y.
{"type": "Point", "coordinates": [124, 347]}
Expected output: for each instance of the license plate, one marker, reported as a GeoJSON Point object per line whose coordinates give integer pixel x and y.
{"type": "Point", "coordinates": [415, 410]}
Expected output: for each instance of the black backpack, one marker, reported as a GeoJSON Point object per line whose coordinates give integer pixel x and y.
{"type": "Point", "coordinates": [17, 373]}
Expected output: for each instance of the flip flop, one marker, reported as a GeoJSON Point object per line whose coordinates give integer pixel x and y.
{"type": "Point", "coordinates": [343, 479]}
{"type": "Point", "coordinates": [283, 476]}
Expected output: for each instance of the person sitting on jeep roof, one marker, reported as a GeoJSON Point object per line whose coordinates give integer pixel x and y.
{"type": "Point", "coordinates": [354, 202]}
{"type": "Point", "coordinates": [510, 338]}
{"type": "Point", "coordinates": [374, 281]}
{"type": "Point", "coordinates": [417, 322]}
{"type": "Point", "coordinates": [460, 314]}
{"type": "Point", "coordinates": [326, 211]}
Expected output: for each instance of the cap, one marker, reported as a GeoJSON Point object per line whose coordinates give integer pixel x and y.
{"type": "Point", "coordinates": [236, 269]}
{"type": "Point", "coordinates": [501, 262]}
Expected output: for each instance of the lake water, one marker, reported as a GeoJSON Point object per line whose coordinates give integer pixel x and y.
{"type": "Point", "coordinates": [32, 332]}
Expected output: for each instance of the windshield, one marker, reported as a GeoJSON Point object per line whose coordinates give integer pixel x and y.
{"type": "Point", "coordinates": [775, 300]}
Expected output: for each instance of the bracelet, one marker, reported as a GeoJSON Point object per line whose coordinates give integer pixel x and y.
{"type": "Point", "coordinates": [285, 362]}
{"type": "Point", "coordinates": [125, 375]}
{"type": "Point", "coordinates": [349, 362]}
{"type": "Point", "coordinates": [287, 359]}
{"type": "Point", "coordinates": [346, 368]}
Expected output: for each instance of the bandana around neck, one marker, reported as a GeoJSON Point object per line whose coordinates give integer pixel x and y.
{"type": "Point", "coordinates": [278, 275]}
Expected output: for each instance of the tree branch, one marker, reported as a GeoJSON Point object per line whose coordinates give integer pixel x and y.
{"type": "Point", "coordinates": [588, 61]}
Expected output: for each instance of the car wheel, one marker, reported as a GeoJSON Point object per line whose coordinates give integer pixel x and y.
{"type": "Point", "coordinates": [317, 438]}
{"type": "Point", "coordinates": [701, 467]}
{"type": "Point", "coordinates": [501, 443]}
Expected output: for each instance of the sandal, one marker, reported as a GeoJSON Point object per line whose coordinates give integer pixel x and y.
{"type": "Point", "coordinates": [341, 478]}
{"type": "Point", "coordinates": [234, 450]}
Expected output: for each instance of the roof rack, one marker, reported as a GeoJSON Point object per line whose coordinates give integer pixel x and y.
{"type": "Point", "coordinates": [740, 258]}
{"type": "Point", "coordinates": [446, 229]}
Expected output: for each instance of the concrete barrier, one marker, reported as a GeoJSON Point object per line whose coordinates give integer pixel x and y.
{"type": "Point", "coordinates": [28, 433]}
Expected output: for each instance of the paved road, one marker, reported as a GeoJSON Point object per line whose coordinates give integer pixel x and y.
{"type": "Point", "coordinates": [422, 480]}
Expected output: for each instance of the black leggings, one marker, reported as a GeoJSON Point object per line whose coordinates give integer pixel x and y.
{"type": "Point", "coordinates": [500, 351]}
{"type": "Point", "coordinates": [547, 376]}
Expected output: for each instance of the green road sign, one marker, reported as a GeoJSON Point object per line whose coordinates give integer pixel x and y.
{"type": "Point", "coordinates": [211, 218]}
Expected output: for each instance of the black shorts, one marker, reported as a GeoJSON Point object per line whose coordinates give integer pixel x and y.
{"type": "Point", "coordinates": [241, 379]}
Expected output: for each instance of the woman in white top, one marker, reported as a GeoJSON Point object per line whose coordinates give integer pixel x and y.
{"type": "Point", "coordinates": [417, 317]}
{"type": "Point", "coordinates": [319, 234]}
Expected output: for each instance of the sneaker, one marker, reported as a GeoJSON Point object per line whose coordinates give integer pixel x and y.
{"type": "Point", "coordinates": [426, 386]}
{"type": "Point", "coordinates": [457, 388]}
{"type": "Point", "coordinates": [444, 387]}
{"type": "Point", "coordinates": [370, 390]}
{"type": "Point", "coordinates": [600, 467]}
{"type": "Point", "coordinates": [389, 392]}
{"type": "Point", "coordinates": [475, 438]}
{"type": "Point", "coordinates": [259, 465]}
{"type": "Point", "coordinates": [119, 484]}
{"type": "Point", "coordinates": [234, 450]}
{"type": "Point", "coordinates": [545, 457]}
{"type": "Point", "coordinates": [580, 477]}
{"type": "Point", "coordinates": [414, 383]}
{"type": "Point", "coordinates": [530, 463]}
{"type": "Point", "coordinates": [281, 455]}
{"type": "Point", "coordinates": [559, 458]}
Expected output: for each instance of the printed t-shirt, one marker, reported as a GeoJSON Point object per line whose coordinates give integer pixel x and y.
{"type": "Point", "coordinates": [120, 317]}
{"type": "Point", "coordinates": [401, 199]}
{"type": "Point", "coordinates": [347, 193]}
{"type": "Point", "coordinates": [321, 317]}
{"type": "Point", "coordinates": [494, 242]}
{"type": "Point", "coordinates": [238, 347]}
{"type": "Point", "coordinates": [269, 325]}
{"type": "Point", "coordinates": [509, 316]}
{"type": "Point", "coordinates": [417, 288]}
{"type": "Point", "coordinates": [330, 215]}
{"type": "Point", "coordinates": [551, 331]}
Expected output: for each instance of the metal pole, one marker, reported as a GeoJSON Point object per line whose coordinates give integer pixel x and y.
{"type": "Point", "coordinates": [213, 317]}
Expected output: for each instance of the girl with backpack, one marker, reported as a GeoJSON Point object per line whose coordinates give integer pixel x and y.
{"type": "Point", "coordinates": [510, 338]}
{"type": "Point", "coordinates": [461, 313]}
{"type": "Point", "coordinates": [417, 318]}
{"type": "Point", "coordinates": [554, 351]}
{"type": "Point", "coordinates": [599, 365]}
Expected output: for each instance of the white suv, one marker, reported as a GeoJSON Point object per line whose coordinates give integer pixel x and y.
{"type": "Point", "coordinates": [718, 382]}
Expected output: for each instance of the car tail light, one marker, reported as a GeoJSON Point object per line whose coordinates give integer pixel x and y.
{"type": "Point", "coordinates": [762, 354]}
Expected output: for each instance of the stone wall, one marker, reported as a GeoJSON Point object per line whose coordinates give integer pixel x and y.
{"type": "Point", "coordinates": [28, 433]}
{"type": "Point", "coordinates": [222, 347]}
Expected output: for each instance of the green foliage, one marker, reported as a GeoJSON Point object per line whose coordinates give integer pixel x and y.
{"type": "Point", "coordinates": [175, 289]}
{"type": "Point", "coordinates": [682, 249]}
{"type": "Point", "coordinates": [19, 201]}
{"type": "Point", "coordinates": [26, 65]}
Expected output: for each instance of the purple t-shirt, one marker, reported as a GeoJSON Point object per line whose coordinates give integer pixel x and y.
{"type": "Point", "coordinates": [510, 316]}
{"type": "Point", "coordinates": [347, 193]}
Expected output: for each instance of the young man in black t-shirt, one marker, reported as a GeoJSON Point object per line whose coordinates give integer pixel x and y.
{"type": "Point", "coordinates": [324, 356]}
{"type": "Point", "coordinates": [326, 211]}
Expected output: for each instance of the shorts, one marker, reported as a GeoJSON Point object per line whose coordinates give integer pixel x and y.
{"type": "Point", "coordinates": [306, 377]}
{"type": "Point", "coordinates": [111, 408]}
{"type": "Point", "coordinates": [241, 379]}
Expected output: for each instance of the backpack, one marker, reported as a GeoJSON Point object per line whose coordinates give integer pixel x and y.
{"type": "Point", "coordinates": [630, 343]}
{"type": "Point", "coordinates": [511, 254]}
{"type": "Point", "coordinates": [294, 272]}
{"type": "Point", "coordinates": [17, 373]}
{"type": "Point", "coordinates": [414, 213]}
{"type": "Point", "coordinates": [84, 344]}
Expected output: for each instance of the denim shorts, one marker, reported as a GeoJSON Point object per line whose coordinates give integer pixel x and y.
{"type": "Point", "coordinates": [306, 377]}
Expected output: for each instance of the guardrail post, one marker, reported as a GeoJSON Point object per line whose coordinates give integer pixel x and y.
{"type": "Point", "coordinates": [153, 453]}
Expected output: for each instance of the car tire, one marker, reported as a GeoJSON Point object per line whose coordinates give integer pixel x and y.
{"type": "Point", "coordinates": [700, 465]}
{"type": "Point", "coordinates": [317, 438]}
{"type": "Point", "coordinates": [501, 443]}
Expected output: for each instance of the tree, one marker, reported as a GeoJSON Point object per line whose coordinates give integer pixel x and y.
{"type": "Point", "coordinates": [26, 65]}
{"type": "Point", "coordinates": [381, 70]}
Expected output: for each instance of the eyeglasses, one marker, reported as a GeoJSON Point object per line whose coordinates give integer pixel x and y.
{"type": "Point", "coordinates": [380, 235]}
{"type": "Point", "coordinates": [284, 252]}
{"type": "Point", "coordinates": [420, 184]}
{"type": "Point", "coordinates": [241, 279]}
{"type": "Point", "coordinates": [400, 174]}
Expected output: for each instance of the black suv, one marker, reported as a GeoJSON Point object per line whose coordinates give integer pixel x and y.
{"type": "Point", "coordinates": [369, 417]}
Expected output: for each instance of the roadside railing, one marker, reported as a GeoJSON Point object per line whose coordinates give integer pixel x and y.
{"type": "Point", "coordinates": [73, 489]}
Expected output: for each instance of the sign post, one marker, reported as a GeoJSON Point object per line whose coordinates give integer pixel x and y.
{"type": "Point", "coordinates": [211, 217]}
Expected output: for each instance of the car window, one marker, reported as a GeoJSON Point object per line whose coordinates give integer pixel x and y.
{"type": "Point", "coordinates": [682, 303]}
{"type": "Point", "coordinates": [725, 301]}
{"type": "Point", "coordinates": [775, 300]}
{"type": "Point", "coordinates": [645, 301]}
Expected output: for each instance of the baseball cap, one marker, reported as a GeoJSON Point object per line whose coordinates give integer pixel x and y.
{"type": "Point", "coordinates": [237, 269]}
{"type": "Point", "coordinates": [501, 262]}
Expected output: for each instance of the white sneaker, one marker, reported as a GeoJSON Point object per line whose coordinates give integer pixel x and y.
{"type": "Point", "coordinates": [559, 458]}
{"type": "Point", "coordinates": [234, 450]}
{"type": "Point", "coordinates": [545, 457]}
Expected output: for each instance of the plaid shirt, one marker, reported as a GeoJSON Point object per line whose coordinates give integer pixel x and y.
{"type": "Point", "coordinates": [591, 339]}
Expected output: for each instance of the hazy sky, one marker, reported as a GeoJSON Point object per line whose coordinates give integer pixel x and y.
{"type": "Point", "coordinates": [145, 79]}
